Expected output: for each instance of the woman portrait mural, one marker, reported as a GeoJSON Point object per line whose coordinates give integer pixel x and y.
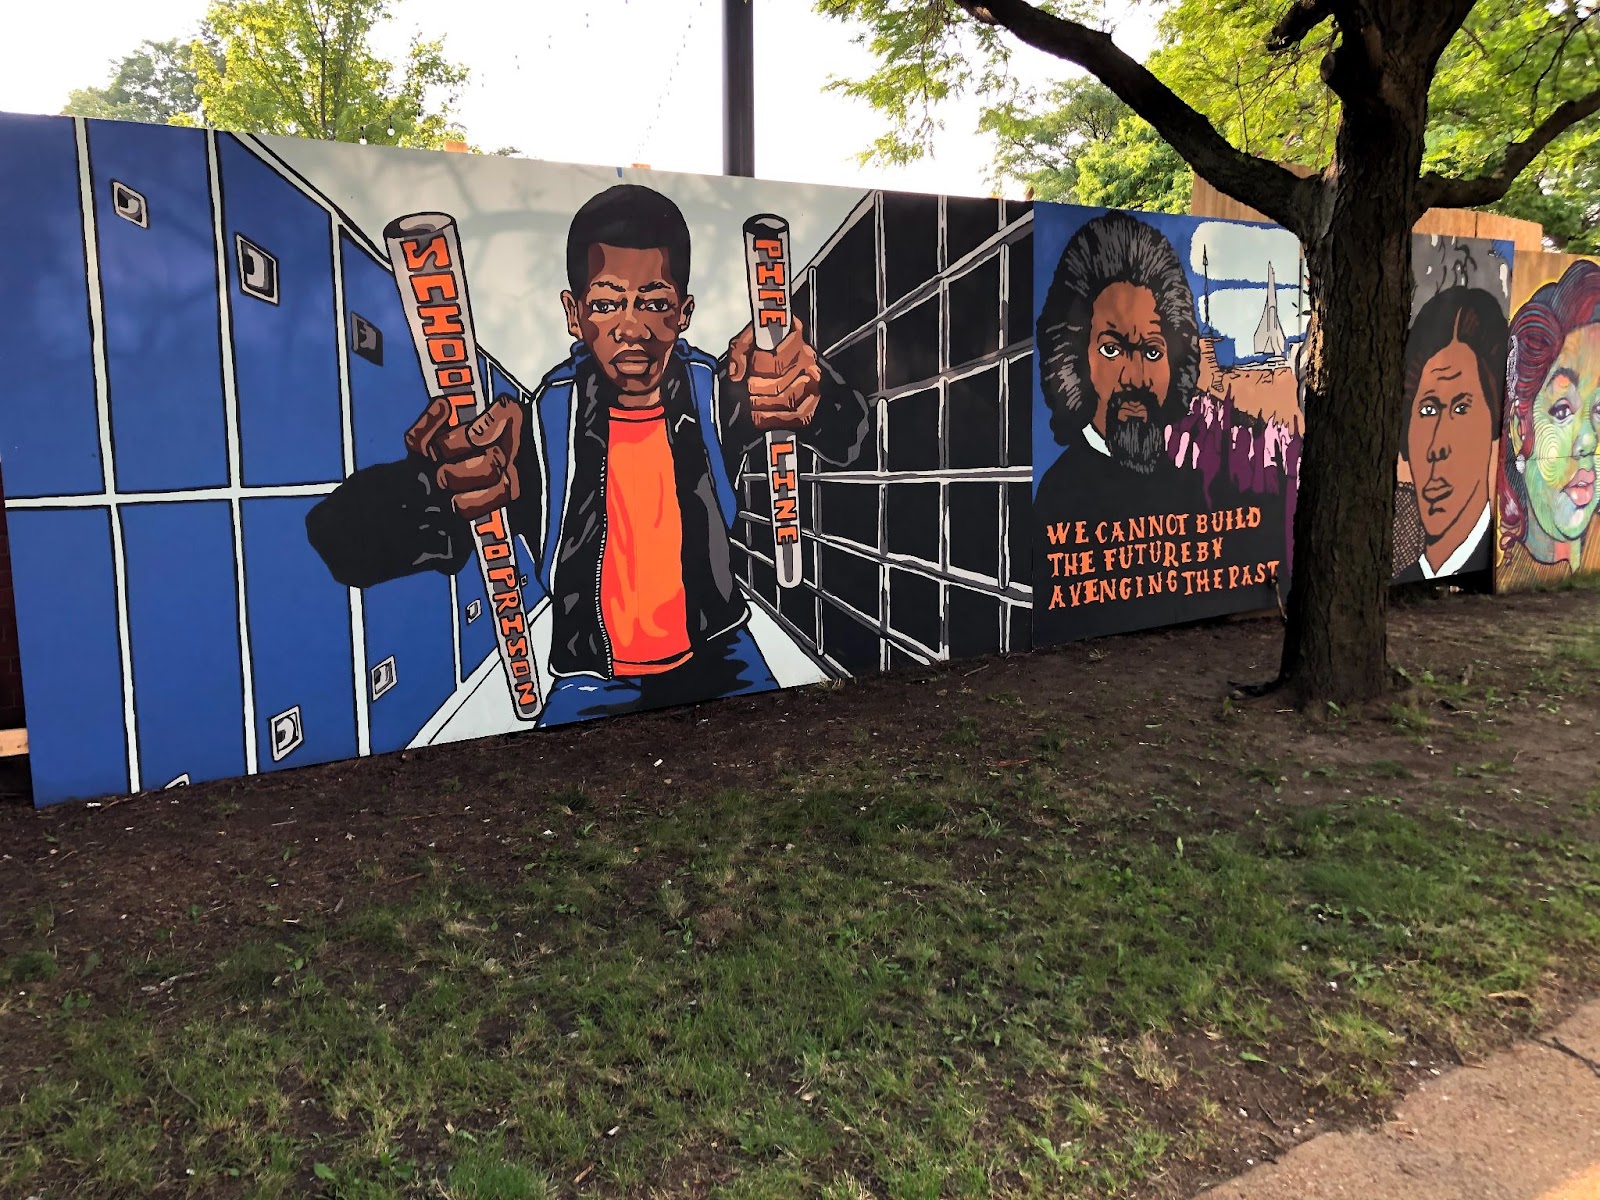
{"type": "Point", "coordinates": [1546, 488]}
{"type": "Point", "coordinates": [1455, 373]}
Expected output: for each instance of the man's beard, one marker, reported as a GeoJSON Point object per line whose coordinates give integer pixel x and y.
{"type": "Point", "coordinates": [1139, 445]}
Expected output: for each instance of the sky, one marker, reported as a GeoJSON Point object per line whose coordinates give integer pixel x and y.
{"type": "Point", "coordinates": [546, 79]}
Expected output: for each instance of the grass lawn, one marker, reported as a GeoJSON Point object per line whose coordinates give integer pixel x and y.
{"type": "Point", "coordinates": [1065, 925]}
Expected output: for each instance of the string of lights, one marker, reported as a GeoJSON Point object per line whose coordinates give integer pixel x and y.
{"type": "Point", "coordinates": [666, 87]}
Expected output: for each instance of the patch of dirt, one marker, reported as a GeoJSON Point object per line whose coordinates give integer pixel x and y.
{"type": "Point", "coordinates": [1139, 718]}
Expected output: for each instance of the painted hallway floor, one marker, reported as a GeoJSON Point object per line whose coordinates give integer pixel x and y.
{"type": "Point", "coordinates": [1522, 1125]}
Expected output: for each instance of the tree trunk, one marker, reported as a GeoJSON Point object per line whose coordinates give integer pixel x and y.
{"type": "Point", "coordinates": [1359, 260]}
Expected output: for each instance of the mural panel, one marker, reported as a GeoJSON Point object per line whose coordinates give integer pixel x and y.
{"type": "Point", "coordinates": [347, 449]}
{"type": "Point", "coordinates": [353, 449]}
{"type": "Point", "coordinates": [1167, 428]}
{"type": "Point", "coordinates": [1455, 375]}
{"type": "Point", "coordinates": [1545, 497]}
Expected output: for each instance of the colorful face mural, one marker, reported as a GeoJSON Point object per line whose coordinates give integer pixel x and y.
{"type": "Point", "coordinates": [681, 438]}
{"type": "Point", "coordinates": [1454, 386]}
{"type": "Point", "coordinates": [1546, 495]}
{"type": "Point", "coordinates": [1168, 430]}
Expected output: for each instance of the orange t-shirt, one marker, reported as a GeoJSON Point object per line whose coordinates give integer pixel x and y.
{"type": "Point", "coordinates": [641, 572]}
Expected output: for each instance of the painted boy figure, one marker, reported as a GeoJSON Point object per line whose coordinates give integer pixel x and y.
{"type": "Point", "coordinates": [627, 509]}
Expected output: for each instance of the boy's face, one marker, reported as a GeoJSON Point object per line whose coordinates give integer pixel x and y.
{"type": "Point", "coordinates": [629, 315]}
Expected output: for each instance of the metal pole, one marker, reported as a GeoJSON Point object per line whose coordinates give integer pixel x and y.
{"type": "Point", "coordinates": [738, 88]}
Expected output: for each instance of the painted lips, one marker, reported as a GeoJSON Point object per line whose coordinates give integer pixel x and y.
{"type": "Point", "coordinates": [1580, 490]}
{"type": "Point", "coordinates": [631, 362]}
{"type": "Point", "coordinates": [1437, 491]}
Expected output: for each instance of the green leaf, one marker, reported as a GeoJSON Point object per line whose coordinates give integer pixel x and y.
{"type": "Point", "coordinates": [312, 70]}
{"type": "Point", "coordinates": [1508, 66]}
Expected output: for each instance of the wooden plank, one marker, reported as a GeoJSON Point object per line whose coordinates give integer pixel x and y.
{"type": "Point", "coordinates": [1448, 222]}
{"type": "Point", "coordinates": [13, 742]}
{"type": "Point", "coordinates": [1207, 201]}
{"type": "Point", "coordinates": [1526, 236]}
{"type": "Point", "coordinates": [1534, 270]}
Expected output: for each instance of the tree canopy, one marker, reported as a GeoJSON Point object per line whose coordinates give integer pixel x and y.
{"type": "Point", "coordinates": [306, 68]}
{"type": "Point", "coordinates": [154, 83]}
{"type": "Point", "coordinates": [1509, 60]}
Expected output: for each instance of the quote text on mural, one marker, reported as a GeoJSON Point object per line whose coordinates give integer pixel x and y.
{"type": "Point", "coordinates": [1167, 554]}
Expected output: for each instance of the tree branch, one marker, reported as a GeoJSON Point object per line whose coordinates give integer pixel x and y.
{"type": "Point", "coordinates": [1443, 191]}
{"type": "Point", "coordinates": [1303, 16]}
{"type": "Point", "coordinates": [1283, 196]}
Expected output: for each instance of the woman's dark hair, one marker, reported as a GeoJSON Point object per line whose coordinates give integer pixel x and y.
{"type": "Point", "coordinates": [1471, 316]}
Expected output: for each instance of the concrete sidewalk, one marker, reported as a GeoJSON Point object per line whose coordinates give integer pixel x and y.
{"type": "Point", "coordinates": [1523, 1125]}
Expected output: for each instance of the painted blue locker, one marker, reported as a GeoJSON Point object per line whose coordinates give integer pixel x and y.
{"type": "Point", "coordinates": [49, 430]}
{"type": "Point", "coordinates": [474, 617]}
{"type": "Point", "coordinates": [183, 629]}
{"type": "Point", "coordinates": [301, 667]}
{"type": "Point", "coordinates": [285, 331]}
{"type": "Point", "coordinates": [410, 656]}
{"type": "Point", "coordinates": [502, 384]}
{"type": "Point", "coordinates": [158, 285]}
{"type": "Point", "coordinates": [77, 736]}
{"type": "Point", "coordinates": [474, 612]}
{"type": "Point", "coordinates": [387, 398]}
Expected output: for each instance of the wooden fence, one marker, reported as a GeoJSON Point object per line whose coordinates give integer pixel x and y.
{"type": "Point", "coordinates": [1525, 236]}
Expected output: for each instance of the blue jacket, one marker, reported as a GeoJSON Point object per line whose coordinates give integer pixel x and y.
{"type": "Point", "coordinates": [560, 513]}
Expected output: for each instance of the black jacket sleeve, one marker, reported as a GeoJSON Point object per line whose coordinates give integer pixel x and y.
{"type": "Point", "coordinates": [837, 430]}
{"type": "Point", "coordinates": [393, 520]}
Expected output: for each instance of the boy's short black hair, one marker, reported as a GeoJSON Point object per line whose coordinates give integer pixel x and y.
{"type": "Point", "coordinates": [634, 218]}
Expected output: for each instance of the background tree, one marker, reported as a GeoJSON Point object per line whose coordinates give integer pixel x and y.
{"type": "Point", "coordinates": [1279, 108]}
{"type": "Point", "coordinates": [1382, 68]}
{"type": "Point", "coordinates": [1133, 168]}
{"type": "Point", "coordinates": [154, 83]}
{"type": "Point", "coordinates": [1078, 143]}
{"type": "Point", "coordinates": [308, 68]}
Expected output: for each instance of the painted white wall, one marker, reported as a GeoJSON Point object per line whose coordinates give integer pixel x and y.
{"type": "Point", "coordinates": [514, 213]}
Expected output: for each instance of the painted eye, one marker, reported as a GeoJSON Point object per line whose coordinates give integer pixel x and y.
{"type": "Point", "coordinates": [603, 306]}
{"type": "Point", "coordinates": [1152, 354]}
{"type": "Point", "coordinates": [1461, 408]}
{"type": "Point", "coordinates": [1427, 409]}
{"type": "Point", "coordinates": [1109, 350]}
{"type": "Point", "coordinates": [653, 305]}
{"type": "Point", "coordinates": [1561, 411]}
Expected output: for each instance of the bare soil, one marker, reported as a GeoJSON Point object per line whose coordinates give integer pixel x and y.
{"type": "Point", "coordinates": [1495, 698]}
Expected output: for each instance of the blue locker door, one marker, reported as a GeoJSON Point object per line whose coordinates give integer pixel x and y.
{"type": "Point", "coordinates": [183, 626]}
{"type": "Point", "coordinates": [475, 616]}
{"type": "Point", "coordinates": [302, 670]}
{"type": "Point", "coordinates": [410, 650]}
{"type": "Point", "coordinates": [49, 430]}
{"type": "Point", "coordinates": [387, 392]}
{"type": "Point", "coordinates": [64, 577]}
{"type": "Point", "coordinates": [285, 331]}
{"type": "Point", "coordinates": [410, 656]}
{"type": "Point", "coordinates": [158, 285]}
{"type": "Point", "coordinates": [474, 610]}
